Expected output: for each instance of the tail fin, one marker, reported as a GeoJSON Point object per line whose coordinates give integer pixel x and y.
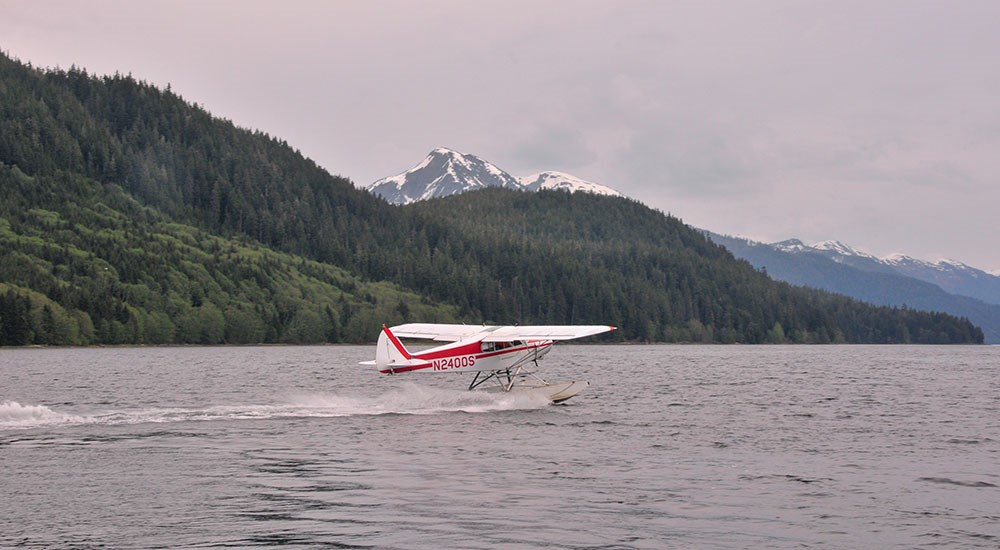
{"type": "Point", "coordinates": [392, 357]}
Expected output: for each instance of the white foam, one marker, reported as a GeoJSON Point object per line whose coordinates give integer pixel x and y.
{"type": "Point", "coordinates": [406, 399]}
{"type": "Point", "coordinates": [16, 415]}
{"type": "Point", "coordinates": [412, 398]}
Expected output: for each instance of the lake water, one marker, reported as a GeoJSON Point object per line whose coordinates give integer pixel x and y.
{"type": "Point", "coordinates": [671, 446]}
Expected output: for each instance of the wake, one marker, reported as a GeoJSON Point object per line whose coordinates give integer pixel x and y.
{"type": "Point", "coordinates": [407, 399]}
{"type": "Point", "coordinates": [16, 415]}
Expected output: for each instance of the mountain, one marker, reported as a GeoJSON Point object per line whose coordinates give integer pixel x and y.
{"type": "Point", "coordinates": [132, 216]}
{"type": "Point", "coordinates": [82, 262]}
{"type": "Point", "coordinates": [560, 181]}
{"type": "Point", "coordinates": [445, 172]}
{"type": "Point", "coordinates": [835, 250]}
{"type": "Point", "coordinates": [840, 268]}
{"type": "Point", "coordinates": [954, 277]}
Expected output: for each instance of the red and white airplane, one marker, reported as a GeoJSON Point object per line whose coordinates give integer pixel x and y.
{"type": "Point", "coordinates": [500, 354]}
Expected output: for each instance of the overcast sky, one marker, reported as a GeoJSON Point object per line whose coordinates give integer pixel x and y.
{"type": "Point", "coordinates": [875, 123]}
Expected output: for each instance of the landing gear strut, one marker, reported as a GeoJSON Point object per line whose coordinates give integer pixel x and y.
{"type": "Point", "coordinates": [507, 379]}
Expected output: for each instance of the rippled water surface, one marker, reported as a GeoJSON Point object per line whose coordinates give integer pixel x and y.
{"type": "Point", "coordinates": [671, 446]}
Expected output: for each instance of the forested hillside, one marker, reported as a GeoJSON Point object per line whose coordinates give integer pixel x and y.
{"type": "Point", "coordinates": [132, 216]}
{"type": "Point", "coordinates": [569, 255]}
{"type": "Point", "coordinates": [85, 263]}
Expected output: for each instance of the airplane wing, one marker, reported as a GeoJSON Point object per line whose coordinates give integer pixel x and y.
{"type": "Point", "coordinates": [487, 333]}
{"type": "Point", "coordinates": [439, 332]}
{"type": "Point", "coordinates": [544, 332]}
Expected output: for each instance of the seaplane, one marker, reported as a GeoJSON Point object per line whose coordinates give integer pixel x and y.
{"type": "Point", "coordinates": [502, 358]}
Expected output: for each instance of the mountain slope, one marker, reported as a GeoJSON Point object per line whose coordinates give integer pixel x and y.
{"type": "Point", "coordinates": [130, 216]}
{"type": "Point", "coordinates": [839, 268]}
{"type": "Point", "coordinates": [583, 257]}
{"type": "Point", "coordinates": [445, 172]}
{"type": "Point", "coordinates": [89, 264]}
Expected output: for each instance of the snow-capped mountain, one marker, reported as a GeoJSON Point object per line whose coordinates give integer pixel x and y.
{"type": "Point", "coordinates": [833, 250]}
{"type": "Point", "coordinates": [952, 276]}
{"type": "Point", "coordinates": [565, 182]}
{"type": "Point", "coordinates": [790, 245]}
{"type": "Point", "coordinates": [845, 270]}
{"type": "Point", "coordinates": [837, 249]}
{"type": "Point", "coordinates": [446, 172]}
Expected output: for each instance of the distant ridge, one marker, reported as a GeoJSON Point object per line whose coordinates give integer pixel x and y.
{"type": "Point", "coordinates": [445, 172]}
{"type": "Point", "coordinates": [952, 276]}
{"type": "Point", "coordinates": [895, 280]}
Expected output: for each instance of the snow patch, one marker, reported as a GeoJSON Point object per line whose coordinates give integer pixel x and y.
{"type": "Point", "coordinates": [552, 180]}
{"type": "Point", "coordinates": [790, 245]}
{"type": "Point", "coordinates": [842, 249]}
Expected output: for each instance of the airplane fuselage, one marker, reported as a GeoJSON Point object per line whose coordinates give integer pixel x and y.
{"type": "Point", "coordinates": [474, 356]}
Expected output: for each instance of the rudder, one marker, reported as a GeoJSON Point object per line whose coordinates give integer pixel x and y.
{"type": "Point", "coordinates": [391, 356]}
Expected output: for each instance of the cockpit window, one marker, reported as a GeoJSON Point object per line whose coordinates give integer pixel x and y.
{"type": "Point", "coordinates": [496, 346]}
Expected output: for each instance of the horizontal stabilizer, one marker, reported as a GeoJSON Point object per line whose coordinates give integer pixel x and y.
{"type": "Point", "coordinates": [395, 367]}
